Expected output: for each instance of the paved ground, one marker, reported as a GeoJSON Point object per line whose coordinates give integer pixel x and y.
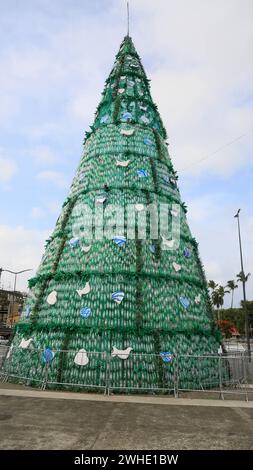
{"type": "Point", "coordinates": [56, 423]}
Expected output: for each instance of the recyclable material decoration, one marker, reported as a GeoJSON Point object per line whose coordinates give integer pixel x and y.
{"type": "Point", "coordinates": [27, 311]}
{"type": "Point", "coordinates": [52, 298]}
{"type": "Point", "coordinates": [74, 242]}
{"type": "Point", "coordinates": [25, 343]}
{"type": "Point", "coordinates": [85, 312]}
{"type": "Point", "coordinates": [86, 248]}
{"type": "Point", "coordinates": [166, 179]}
{"type": "Point", "coordinates": [187, 253]}
{"type": "Point", "coordinates": [121, 353]}
{"type": "Point", "coordinates": [9, 351]}
{"type": "Point", "coordinates": [118, 292]}
{"type": "Point", "coordinates": [118, 296]}
{"type": "Point", "coordinates": [176, 266]}
{"type": "Point", "coordinates": [81, 358]}
{"type": "Point", "coordinates": [144, 119]}
{"type": "Point", "coordinates": [101, 199]}
{"type": "Point", "coordinates": [139, 207]}
{"type": "Point", "coordinates": [47, 355]}
{"type": "Point", "coordinates": [174, 212]}
{"type": "Point", "coordinates": [122, 163]}
{"type": "Point", "coordinates": [197, 299]}
{"type": "Point", "coordinates": [85, 290]}
{"type": "Point", "coordinates": [166, 356]}
{"type": "Point", "coordinates": [168, 243]}
{"type": "Point", "coordinates": [120, 241]}
{"type": "Point", "coordinates": [148, 142]}
{"type": "Point", "coordinates": [173, 180]}
{"type": "Point", "coordinates": [142, 173]}
{"type": "Point", "coordinates": [184, 302]}
{"type": "Point", "coordinates": [127, 132]}
{"type": "Point", "coordinates": [82, 176]}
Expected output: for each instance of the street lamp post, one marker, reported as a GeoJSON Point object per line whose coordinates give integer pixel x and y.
{"type": "Point", "coordinates": [246, 316]}
{"type": "Point", "coordinates": [14, 290]}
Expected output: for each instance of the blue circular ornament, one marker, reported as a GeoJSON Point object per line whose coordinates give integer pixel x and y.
{"type": "Point", "coordinates": [74, 242]}
{"type": "Point", "coordinates": [85, 312]}
{"type": "Point", "coordinates": [184, 302]}
{"type": "Point", "coordinates": [166, 356]}
{"type": "Point", "coordinates": [142, 173]}
{"type": "Point", "coordinates": [187, 253]}
{"type": "Point", "coordinates": [47, 355]}
{"type": "Point", "coordinates": [119, 240]}
{"type": "Point", "coordinates": [148, 142]}
{"type": "Point", "coordinates": [126, 116]}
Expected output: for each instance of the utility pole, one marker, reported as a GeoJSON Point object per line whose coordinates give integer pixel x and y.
{"type": "Point", "coordinates": [246, 316]}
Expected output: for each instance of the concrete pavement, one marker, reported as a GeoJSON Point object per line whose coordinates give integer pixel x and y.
{"type": "Point", "coordinates": [58, 420]}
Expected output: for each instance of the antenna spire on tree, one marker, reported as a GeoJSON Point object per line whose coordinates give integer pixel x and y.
{"type": "Point", "coordinates": [128, 18]}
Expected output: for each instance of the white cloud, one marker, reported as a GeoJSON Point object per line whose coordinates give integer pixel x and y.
{"type": "Point", "coordinates": [197, 54]}
{"type": "Point", "coordinates": [201, 78]}
{"type": "Point", "coordinates": [55, 177]}
{"type": "Point", "coordinates": [44, 155]}
{"type": "Point", "coordinates": [54, 207]}
{"type": "Point", "coordinates": [212, 223]}
{"type": "Point", "coordinates": [8, 168]}
{"type": "Point", "coordinates": [37, 213]}
{"type": "Point", "coordinates": [20, 249]}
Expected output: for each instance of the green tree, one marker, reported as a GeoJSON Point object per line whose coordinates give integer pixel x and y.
{"type": "Point", "coordinates": [212, 285]}
{"type": "Point", "coordinates": [119, 293]}
{"type": "Point", "coordinates": [241, 277]}
{"type": "Point", "coordinates": [232, 286]}
{"type": "Point", "coordinates": [217, 297]}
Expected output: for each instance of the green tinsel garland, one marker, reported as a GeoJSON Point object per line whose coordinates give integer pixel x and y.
{"type": "Point", "coordinates": [61, 276]}
{"type": "Point", "coordinates": [29, 328]}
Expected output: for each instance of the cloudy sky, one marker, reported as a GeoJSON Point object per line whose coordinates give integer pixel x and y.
{"type": "Point", "coordinates": [54, 59]}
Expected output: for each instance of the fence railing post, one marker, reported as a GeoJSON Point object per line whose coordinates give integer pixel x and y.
{"type": "Point", "coordinates": [176, 377]}
{"type": "Point", "coordinates": [245, 376]}
{"type": "Point", "coordinates": [220, 378]}
{"type": "Point", "coordinates": [108, 373]}
{"type": "Point", "coordinates": [232, 373]}
{"type": "Point", "coordinates": [44, 380]}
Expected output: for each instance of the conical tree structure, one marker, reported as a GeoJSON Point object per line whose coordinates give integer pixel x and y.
{"type": "Point", "coordinates": [119, 293]}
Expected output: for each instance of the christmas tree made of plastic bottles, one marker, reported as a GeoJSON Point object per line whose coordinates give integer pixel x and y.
{"type": "Point", "coordinates": [137, 304]}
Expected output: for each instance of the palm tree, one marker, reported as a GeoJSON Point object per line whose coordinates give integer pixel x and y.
{"type": "Point", "coordinates": [243, 277]}
{"type": "Point", "coordinates": [232, 286]}
{"type": "Point", "coordinates": [217, 297]}
{"type": "Point", "coordinates": [212, 285]}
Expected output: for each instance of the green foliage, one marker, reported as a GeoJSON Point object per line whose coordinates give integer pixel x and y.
{"type": "Point", "coordinates": [237, 316]}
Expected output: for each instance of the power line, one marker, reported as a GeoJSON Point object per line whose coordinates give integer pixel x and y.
{"type": "Point", "coordinates": [219, 149]}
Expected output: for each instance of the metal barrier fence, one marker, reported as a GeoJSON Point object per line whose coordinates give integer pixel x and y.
{"type": "Point", "coordinates": [140, 373]}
